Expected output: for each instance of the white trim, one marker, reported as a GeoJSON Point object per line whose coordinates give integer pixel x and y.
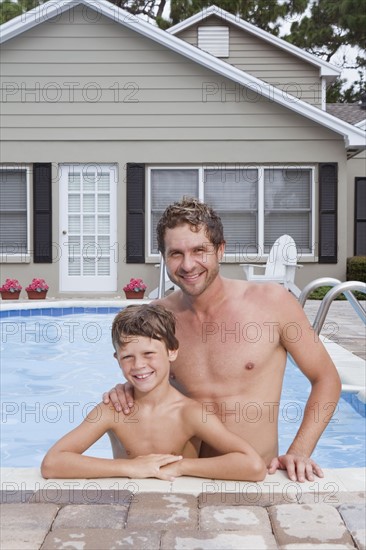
{"type": "Point", "coordinates": [323, 94]}
{"type": "Point", "coordinates": [326, 69]}
{"type": "Point", "coordinates": [260, 220]}
{"type": "Point", "coordinates": [353, 136]}
{"type": "Point", "coordinates": [361, 124]}
{"type": "Point", "coordinates": [26, 256]}
{"type": "Point", "coordinates": [232, 257]}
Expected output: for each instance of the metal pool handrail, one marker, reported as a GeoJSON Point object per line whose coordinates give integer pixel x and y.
{"type": "Point", "coordinates": [342, 288]}
{"type": "Point", "coordinates": [330, 281]}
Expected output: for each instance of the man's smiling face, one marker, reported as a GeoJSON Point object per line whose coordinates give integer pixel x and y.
{"type": "Point", "coordinates": [191, 260]}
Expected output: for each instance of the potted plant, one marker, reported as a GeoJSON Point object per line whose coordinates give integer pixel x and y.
{"type": "Point", "coordinates": [135, 289]}
{"type": "Point", "coordinates": [10, 289]}
{"type": "Point", "coordinates": [37, 289]}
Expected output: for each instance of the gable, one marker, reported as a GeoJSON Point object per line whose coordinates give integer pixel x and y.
{"type": "Point", "coordinates": [264, 60]}
{"type": "Point", "coordinates": [326, 70]}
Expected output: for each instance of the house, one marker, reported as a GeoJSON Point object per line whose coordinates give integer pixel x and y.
{"type": "Point", "coordinates": [106, 119]}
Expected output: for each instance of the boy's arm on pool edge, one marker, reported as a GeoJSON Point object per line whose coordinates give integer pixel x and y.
{"type": "Point", "coordinates": [65, 458]}
{"type": "Point", "coordinates": [238, 461]}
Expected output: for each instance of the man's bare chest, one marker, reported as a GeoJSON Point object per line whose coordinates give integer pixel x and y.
{"type": "Point", "coordinates": [222, 354]}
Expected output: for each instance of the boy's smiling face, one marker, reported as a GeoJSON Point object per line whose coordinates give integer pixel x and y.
{"type": "Point", "coordinates": [145, 362]}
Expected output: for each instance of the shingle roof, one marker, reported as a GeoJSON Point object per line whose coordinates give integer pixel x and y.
{"type": "Point", "coordinates": [349, 112]}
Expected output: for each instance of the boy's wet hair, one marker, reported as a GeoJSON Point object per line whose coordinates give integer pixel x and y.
{"type": "Point", "coordinates": [197, 214]}
{"type": "Point", "coordinates": [150, 320]}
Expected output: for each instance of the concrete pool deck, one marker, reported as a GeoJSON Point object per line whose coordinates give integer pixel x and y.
{"type": "Point", "coordinates": [194, 513]}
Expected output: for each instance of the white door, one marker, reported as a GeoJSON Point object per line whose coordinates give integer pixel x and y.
{"type": "Point", "coordinates": [88, 227]}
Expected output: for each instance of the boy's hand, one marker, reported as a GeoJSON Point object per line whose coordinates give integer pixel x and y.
{"type": "Point", "coordinates": [152, 466]}
{"type": "Point", "coordinates": [174, 469]}
{"type": "Point", "coordinates": [121, 397]}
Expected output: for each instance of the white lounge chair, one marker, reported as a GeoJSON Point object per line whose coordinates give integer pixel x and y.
{"type": "Point", "coordinates": [280, 267]}
{"type": "Point", "coordinates": [165, 284]}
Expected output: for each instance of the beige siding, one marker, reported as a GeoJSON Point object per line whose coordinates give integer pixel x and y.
{"type": "Point", "coordinates": [266, 62]}
{"type": "Point", "coordinates": [62, 80]}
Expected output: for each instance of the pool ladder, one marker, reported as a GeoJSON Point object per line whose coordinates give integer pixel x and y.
{"type": "Point", "coordinates": [345, 288]}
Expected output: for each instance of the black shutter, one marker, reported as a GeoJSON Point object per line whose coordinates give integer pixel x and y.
{"type": "Point", "coordinates": [360, 217]}
{"type": "Point", "coordinates": [42, 213]}
{"type": "Point", "coordinates": [135, 213]}
{"type": "Point", "coordinates": [328, 198]}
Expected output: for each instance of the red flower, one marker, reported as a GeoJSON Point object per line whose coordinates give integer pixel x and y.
{"type": "Point", "coordinates": [39, 285]}
{"type": "Point", "coordinates": [11, 285]}
{"type": "Point", "coordinates": [135, 285]}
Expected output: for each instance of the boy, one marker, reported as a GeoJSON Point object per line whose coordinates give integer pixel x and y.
{"type": "Point", "coordinates": [162, 437]}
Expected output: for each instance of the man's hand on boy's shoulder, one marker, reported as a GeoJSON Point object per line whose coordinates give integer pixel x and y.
{"type": "Point", "coordinates": [121, 397]}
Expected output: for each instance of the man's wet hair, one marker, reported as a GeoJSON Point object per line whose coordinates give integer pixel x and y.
{"type": "Point", "coordinates": [197, 214]}
{"type": "Point", "coordinates": [150, 320]}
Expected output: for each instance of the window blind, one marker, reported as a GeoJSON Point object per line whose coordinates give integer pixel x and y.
{"type": "Point", "coordinates": [13, 209]}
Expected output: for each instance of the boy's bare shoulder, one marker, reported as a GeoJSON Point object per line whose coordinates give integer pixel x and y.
{"type": "Point", "coordinates": [104, 413]}
{"type": "Point", "coordinates": [191, 409]}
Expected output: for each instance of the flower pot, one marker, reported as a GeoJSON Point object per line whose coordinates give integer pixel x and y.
{"type": "Point", "coordinates": [131, 294]}
{"type": "Point", "coordinates": [7, 295]}
{"type": "Point", "coordinates": [34, 295]}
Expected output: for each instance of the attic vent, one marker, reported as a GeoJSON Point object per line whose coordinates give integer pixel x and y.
{"type": "Point", "coordinates": [214, 40]}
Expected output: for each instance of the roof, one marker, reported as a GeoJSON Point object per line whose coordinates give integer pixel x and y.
{"type": "Point", "coordinates": [350, 112]}
{"type": "Point", "coordinates": [329, 71]}
{"type": "Point", "coordinates": [353, 137]}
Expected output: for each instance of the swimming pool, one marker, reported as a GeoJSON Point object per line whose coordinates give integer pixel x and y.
{"type": "Point", "coordinates": [55, 366]}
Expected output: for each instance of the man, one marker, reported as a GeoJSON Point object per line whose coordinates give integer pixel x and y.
{"type": "Point", "coordinates": [234, 337]}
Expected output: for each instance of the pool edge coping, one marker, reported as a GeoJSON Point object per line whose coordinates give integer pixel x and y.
{"type": "Point", "coordinates": [334, 480]}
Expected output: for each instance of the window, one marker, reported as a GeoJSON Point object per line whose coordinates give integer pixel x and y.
{"type": "Point", "coordinates": [14, 222]}
{"type": "Point", "coordinates": [257, 204]}
{"type": "Point", "coordinates": [287, 206]}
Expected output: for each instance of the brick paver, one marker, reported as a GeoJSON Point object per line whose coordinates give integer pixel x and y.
{"type": "Point", "coordinates": [263, 497]}
{"type": "Point", "coordinates": [334, 498]}
{"type": "Point", "coordinates": [234, 518]}
{"type": "Point", "coordinates": [163, 511]}
{"type": "Point", "coordinates": [24, 527]}
{"type": "Point", "coordinates": [311, 525]}
{"type": "Point", "coordinates": [94, 495]}
{"type": "Point", "coordinates": [229, 540]}
{"type": "Point", "coordinates": [98, 539]}
{"type": "Point", "coordinates": [91, 517]}
{"type": "Point", "coordinates": [354, 516]}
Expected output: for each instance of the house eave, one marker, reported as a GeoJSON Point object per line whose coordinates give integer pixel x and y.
{"type": "Point", "coordinates": [361, 124]}
{"type": "Point", "coordinates": [354, 137]}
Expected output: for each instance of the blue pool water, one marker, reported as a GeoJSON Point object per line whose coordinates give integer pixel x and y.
{"type": "Point", "coordinates": [55, 369]}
